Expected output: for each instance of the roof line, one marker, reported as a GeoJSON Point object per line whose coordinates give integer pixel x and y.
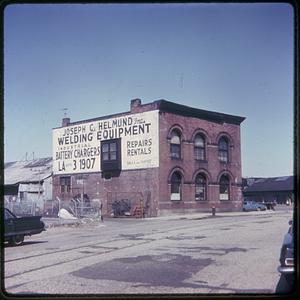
{"type": "Point", "coordinates": [175, 108]}
{"type": "Point", "coordinates": [185, 110]}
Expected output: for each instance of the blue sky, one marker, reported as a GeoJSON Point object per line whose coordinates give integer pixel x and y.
{"type": "Point", "coordinates": [94, 58]}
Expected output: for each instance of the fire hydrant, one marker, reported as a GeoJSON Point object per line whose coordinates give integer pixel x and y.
{"type": "Point", "coordinates": [213, 211]}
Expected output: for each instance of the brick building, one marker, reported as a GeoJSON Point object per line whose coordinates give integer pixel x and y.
{"type": "Point", "coordinates": [168, 157]}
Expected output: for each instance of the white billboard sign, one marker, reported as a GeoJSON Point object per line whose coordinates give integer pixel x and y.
{"type": "Point", "coordinates": [77, 148]}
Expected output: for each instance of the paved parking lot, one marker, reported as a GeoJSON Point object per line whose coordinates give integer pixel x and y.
{"type": "Point", "coordinates": [196, 254]}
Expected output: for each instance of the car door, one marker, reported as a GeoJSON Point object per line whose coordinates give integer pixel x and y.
{"type": "Point", "coordinates": [9, 225]}
{"type": "Point", "coordinates": [246, 205]}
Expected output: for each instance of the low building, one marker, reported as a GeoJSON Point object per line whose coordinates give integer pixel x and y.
{"type": "Point", "coordinates": [279, 189]}
{"type": "Point", "coordinates": [28, 185]}
{"type": "Point", "coordinates": [158, 158]}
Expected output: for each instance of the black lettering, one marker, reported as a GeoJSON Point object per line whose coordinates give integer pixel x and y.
{"type": "Point", "coordinates": [141, 129]}
{"type": "Point", "coordinates": [60, 141]}
{"type": "Point", "coordinates": [99, 135]}
{"type": "Point", "coordinates": [128, 130]}
{"type": "Point", "coordinates": [147, 125]}
{"type": "Point", "coordinates": [105, 134]}
{"type": "Point", "coordinates": [61, 167]}
{"type": "Point", "coordinates": [114, 123]}
{"type": "Point", "coordinates": [90, 136]}
{"type": "Point", "coordinates": [121, 130]}
{"type": "Point", "coordinates": [134, 130]}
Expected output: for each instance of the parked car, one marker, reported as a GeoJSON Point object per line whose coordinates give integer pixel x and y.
{"type": "Point", "coordinates": [251, 205]}
{"type": "Point", "coordinates": [270, 204]}
{"type": "Point", "coordinates": [287, 264]}
{"type": "Point", "coordinates": [16, 228]}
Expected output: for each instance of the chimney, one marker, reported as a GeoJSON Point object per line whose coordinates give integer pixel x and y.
{"type": "Point", "coordinates": [65, 122]}
{"type": "Point", "coordinates": [135, 104]}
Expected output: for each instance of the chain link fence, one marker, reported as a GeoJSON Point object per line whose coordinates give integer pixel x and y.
{"type": "Point", "coordinates": [85, 209]}
{"type": "Point", "coordinates": [24, 208]}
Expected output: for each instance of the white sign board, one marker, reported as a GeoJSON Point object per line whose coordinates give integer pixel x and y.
{"type": "Point", "coordinates": [77, 148]}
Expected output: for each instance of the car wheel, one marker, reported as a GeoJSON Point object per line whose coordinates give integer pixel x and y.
{"type": "Point", "coordinates": [17, 240]}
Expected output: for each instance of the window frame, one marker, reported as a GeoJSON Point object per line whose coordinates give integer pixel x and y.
{"type": "Point", "coordinates": [175, 147]}
{"type": "Point", "coordinates": [201, 148]}
{"type": "Point", "coordinates": [224, 185]}
{"type": "Point", "coordinates": [65, 184]}
{"type": "Point", "coordinates": [109, 152]}
{"type": "Point", "coordinates": [201, 184]}
{"type": "Point", "coordinates": [176, 186]}
{"type": "Point", "coordinates": [223, 152]}
{"type": "Point", "coordinates": [110, 157]}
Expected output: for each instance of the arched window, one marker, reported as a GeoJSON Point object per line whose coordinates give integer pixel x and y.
{"type": "Point", "coordinates": [200, 187]}
{"type": "Point", "coordinates": [175, 145]}
{"type": "Point", "coordinates": [199, 147]}
{"type": "Point", "coordinates": [176, 186]}
{"type": "Point", "coordinates": [224, 187]}
{"type": "Point", "coordinates": [223, 150]}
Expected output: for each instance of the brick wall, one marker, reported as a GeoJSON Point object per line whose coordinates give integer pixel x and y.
{"type": "Point", "coordinates": [189, 167]}
{"type": "Point", "coordinates": [132, 185]}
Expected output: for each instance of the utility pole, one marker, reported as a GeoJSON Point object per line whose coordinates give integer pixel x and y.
{"type": "Point", "coordinates": [39, 173]}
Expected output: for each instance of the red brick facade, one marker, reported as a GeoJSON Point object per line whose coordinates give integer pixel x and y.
{"type": "Point", "coordinates": [211, 167]}
{"type": "Point", "coordinates": [153, 186]}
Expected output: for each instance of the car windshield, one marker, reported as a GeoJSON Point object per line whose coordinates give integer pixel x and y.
{"type": "Point", "coordinates": [8, 214]}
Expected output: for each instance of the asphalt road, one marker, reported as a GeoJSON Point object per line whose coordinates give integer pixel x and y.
{"type": "Point", "coordinates": [229, 253]}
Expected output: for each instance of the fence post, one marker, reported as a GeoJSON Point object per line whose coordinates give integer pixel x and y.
{"type": "Point", "coordinates": [142, 208]}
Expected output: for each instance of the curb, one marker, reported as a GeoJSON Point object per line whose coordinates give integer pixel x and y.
{"type": "Point", "coordinates": [89, 221]}
{"type": "Point", "coordinates": [53, 225]}
{"type": "Point", "coordinates": [209, 215]}
{"type": "Point", "coordinates": [71, 223]}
